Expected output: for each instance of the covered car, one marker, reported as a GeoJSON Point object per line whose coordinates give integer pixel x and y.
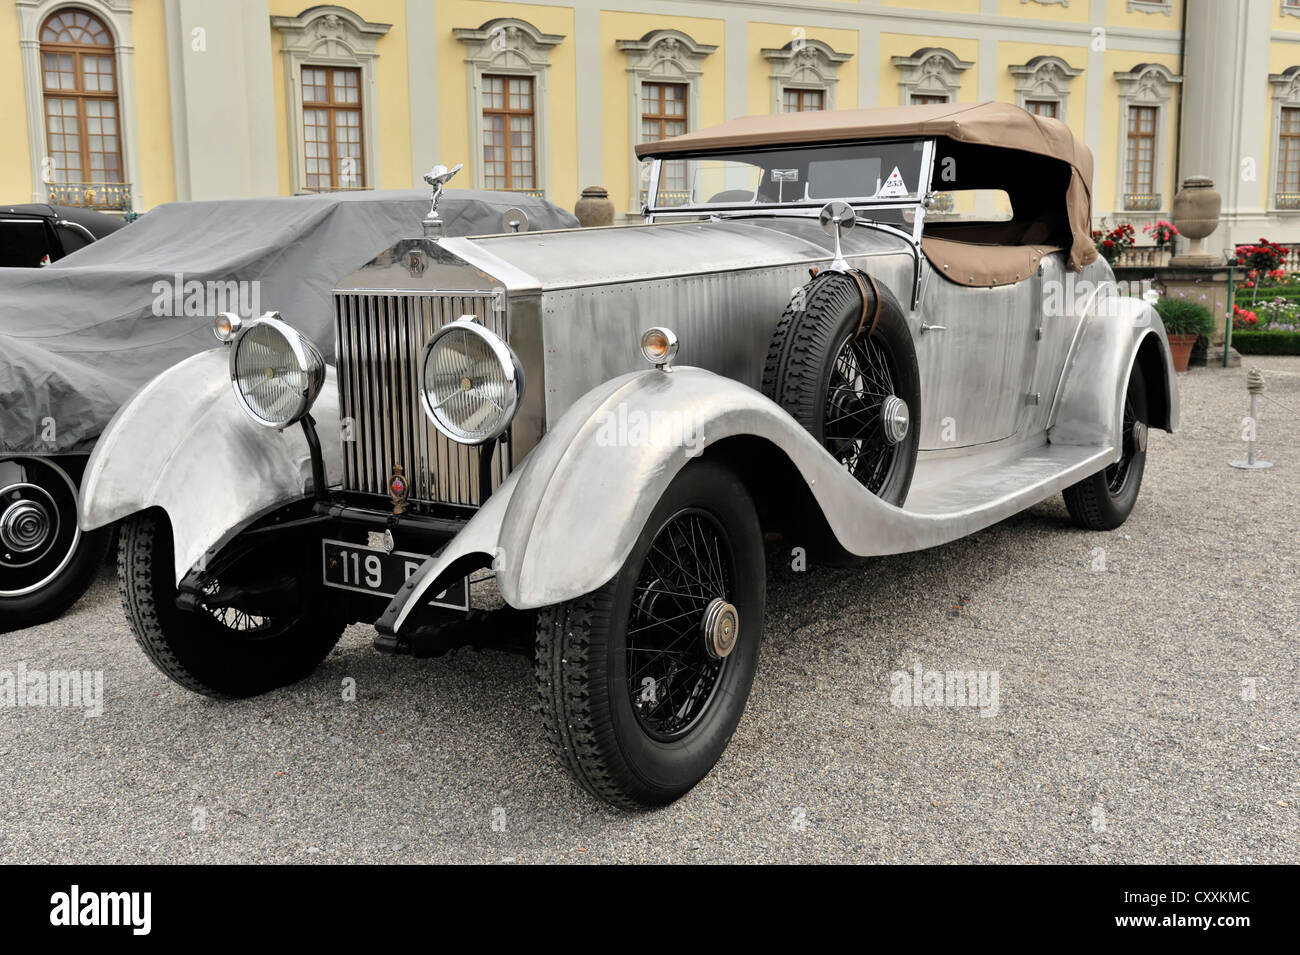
{"type": "Point", "coordinates": [78, 337]}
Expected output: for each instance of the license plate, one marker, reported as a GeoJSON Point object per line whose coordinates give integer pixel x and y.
{"type": "Point", "coordinates": [369, 570]}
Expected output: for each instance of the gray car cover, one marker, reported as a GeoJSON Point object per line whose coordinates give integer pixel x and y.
{"type": "Point", "coordinates": [78, 337]}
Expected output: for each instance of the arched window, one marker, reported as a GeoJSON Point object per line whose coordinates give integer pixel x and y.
{"type": "Point", "coordinates": [82, 129]}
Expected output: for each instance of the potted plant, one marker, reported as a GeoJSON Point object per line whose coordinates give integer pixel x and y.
{"type": "Point", "coordinates": [1162, 234]}
{"type": "Point", "coordinates": [1114, 243]}
{"type": "Point", "coordinates": [1184, 322]}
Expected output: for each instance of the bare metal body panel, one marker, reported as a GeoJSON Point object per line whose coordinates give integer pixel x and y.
{"type": "Point", "coordinates": [181, 443]}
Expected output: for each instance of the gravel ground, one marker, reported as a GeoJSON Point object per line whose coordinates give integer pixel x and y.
{"type": "Point", "coordinates": [1125, 729]}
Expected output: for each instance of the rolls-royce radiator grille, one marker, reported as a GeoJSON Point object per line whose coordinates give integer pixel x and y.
{"type": "Point", "coordinates": [381, 339]}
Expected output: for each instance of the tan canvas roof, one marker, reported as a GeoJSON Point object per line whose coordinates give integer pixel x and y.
{"type": "Point", "coordinates": [987, 124]}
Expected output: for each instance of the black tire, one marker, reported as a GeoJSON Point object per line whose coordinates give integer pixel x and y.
{"type": "Point", "coordinates": [817, 370]}
{"type": "Point", "coordinates": [45, 572]}
{"type": "Point", "coordinates": [1103, 501]}
{"type": "Point", "coordinates": [213, 653]}
{"type": "Point", "coordinates": [621, 745]}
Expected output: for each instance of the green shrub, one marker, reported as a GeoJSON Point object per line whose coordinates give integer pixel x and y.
{"type": "Point", "coordinates": [1182, 317]}
{"type": "Point", "coordinates": [1266, 342]}
{"type": "Point", "coordinates": [1245, 296]}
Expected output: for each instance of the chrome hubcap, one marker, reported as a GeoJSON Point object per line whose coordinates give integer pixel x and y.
{"type": "Point", "coordinates": [38, 524]}
{"type": "Point", "coordinates": [1139, 436]}
{"type": "Point", "coordinates": [25, 526]}
{"type": "Point", "coordinates": [895, 419]}
{"type": "Point", "coordinates": [719, 628]}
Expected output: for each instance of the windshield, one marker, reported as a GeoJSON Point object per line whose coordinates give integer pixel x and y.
{"type": "Point", "coordinates": [859, 172]}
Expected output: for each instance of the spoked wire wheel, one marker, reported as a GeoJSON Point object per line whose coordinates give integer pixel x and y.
{"type": "Point", "coordinates": [1133, 436]}
{"type": "Point", "coordinates": [673, 670]}
{"type": "Point", "coordinates": [238, 622]}
{"type": "Point", "coordinates": [642, 682]}
{"type": "Point", "coordinates": [219, 651]}
{"type": "Point", "coordinates": [862, 412]}
{"type": "Point", "coordinates": [1104, 500]}
{"type": "Point", "coordinates": [847, 372]}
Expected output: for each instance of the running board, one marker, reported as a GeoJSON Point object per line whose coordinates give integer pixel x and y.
{"type": "Point", "coordinates": [987, 488]}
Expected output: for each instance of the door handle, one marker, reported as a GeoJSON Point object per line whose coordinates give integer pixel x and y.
{"type": "Point", "coordinates": [932, 328]}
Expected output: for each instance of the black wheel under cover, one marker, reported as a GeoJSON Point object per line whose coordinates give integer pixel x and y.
{"type": "Point", "coordinates": [220, 652]}
{"type": "Point", "coordinates": [1103, 501]}
{"type": "Point", "coordinates": [841, 379]}
{"type": "Point", "coordinates": [46, 562]}
{"type": "Point", "coordinates": [643, 682]}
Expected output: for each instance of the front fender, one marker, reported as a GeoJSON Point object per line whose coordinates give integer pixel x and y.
{"type": "Point", "coordinates": [1088, 408]}
{"type": "Point", "coordinates": [182, 443]}
{"type": "Point", "coordinates": [566, 520]}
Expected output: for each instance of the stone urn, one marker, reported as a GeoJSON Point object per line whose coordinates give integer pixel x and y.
{"type": "Point", "coordinates": [594, 208]}
{"type": "Point", "coordinates": [1196, 214]}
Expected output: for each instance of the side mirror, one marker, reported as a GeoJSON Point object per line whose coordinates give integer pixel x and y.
{"type": "Point", "coordinates": [837, 217]}
{"type": "Point", "coordinates": [514, 219]}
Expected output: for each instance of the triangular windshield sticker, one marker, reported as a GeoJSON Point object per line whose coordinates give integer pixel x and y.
{"type": "Point", "coordinates": [893, 187]}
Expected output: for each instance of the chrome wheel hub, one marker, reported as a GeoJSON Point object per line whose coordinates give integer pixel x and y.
{"type": "Point", "coordinates": [719, 629]}
{"type": "Point", "coordinates": [895, 418]}
{"type": "Point", "coordinates": [1139, 440]}
{"type": "Point", "coordinates": [38, 524]}
{"type": "Point", "coordinates": [25, 526]}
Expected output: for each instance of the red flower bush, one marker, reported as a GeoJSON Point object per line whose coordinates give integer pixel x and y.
{"type": "Point", "coordinates": [1162, 233]}
{"type": "Point", "coordinates": [1242, 318]}
{"type": "Point", "coordinates": [1267, 257]}
{"type": "Point", "coordinates": [1114, 243]}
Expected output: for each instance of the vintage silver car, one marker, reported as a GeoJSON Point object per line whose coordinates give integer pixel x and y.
{"type": "Point", "coordinates": [824, 334]}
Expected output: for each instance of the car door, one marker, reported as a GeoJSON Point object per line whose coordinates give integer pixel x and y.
{"type": "Point", "coordinates": [975, 349]}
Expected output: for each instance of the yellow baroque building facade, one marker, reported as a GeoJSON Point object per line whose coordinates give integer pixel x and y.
{"type": "Point", "coordinates": [125, 104]}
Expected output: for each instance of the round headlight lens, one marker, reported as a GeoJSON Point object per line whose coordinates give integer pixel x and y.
{"type": "Point", "coordinates": [277, 372]}
{"type": "Point", "coordinates": [472, 382]}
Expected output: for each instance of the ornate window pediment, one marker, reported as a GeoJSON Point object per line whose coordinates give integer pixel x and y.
{"type": "Point", "coordinates": [804, 64]}
{"type": "Point", "coordinates": [507, 43]}
{"type": "Point", "coordinates": [930, 71]}
{"type": "Point", "coordinates": [1286, 85]}
{"type": "Point", "coordinates": [661, 66]}
{"type": "Point", "coordinates": [331, 36]}
{"type": "Point", "coordinates": [1148, 83]}
{"type": "Point", "coordinates": [666, 54]}
{"type": "Point", "coordinates": [509, 64]}
{"type": "Point", "coordinates": [1044, 79]}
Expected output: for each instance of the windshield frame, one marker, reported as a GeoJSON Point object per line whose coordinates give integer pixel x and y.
{"type": "Point", "coordinates": [863, 205]}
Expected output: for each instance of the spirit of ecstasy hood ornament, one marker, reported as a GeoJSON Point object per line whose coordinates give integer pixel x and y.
{"type": "Point", "coordinates": [437, 177]}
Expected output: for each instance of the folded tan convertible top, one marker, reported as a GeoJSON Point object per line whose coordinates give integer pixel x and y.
{"type": "Point", "coordinates": [986, 124]}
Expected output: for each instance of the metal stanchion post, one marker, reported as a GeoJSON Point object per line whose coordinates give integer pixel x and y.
{"type": "Point", "coordinates": [1255, 387]}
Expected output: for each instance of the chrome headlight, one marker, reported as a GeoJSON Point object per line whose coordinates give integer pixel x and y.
{"type": "Point", "coordinates": [472, 382]}
{"type": "Point", "coordinates": [276, 371]}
